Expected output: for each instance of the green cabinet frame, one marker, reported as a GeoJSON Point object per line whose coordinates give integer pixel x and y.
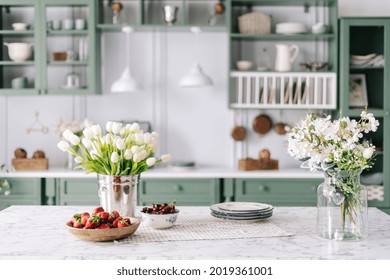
{"type": "Point", "coordinates": [362, 36]}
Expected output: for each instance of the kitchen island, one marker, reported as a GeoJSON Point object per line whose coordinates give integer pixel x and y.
{"type": "Point", "coordinates": [39, 232]}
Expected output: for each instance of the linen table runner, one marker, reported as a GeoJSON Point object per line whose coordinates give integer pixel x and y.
{"type": "Point", "coordinates": [205, 228]}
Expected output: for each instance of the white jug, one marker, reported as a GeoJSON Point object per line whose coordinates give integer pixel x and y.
{"type": "Point", "coordinates": [285, 56]}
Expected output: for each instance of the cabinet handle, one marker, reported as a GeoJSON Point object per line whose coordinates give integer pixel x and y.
{"type": "Point", "coordinates": [263, 188]}
{"type": "Point", "coordinates": [177, 188]}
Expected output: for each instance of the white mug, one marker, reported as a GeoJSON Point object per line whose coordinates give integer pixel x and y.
{"type": "Point", "coordinates": [80, 24]}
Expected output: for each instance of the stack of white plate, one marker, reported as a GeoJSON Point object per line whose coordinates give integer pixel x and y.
{"type": "Point", "coordinates": [242, 211]}
{"type": "Point", "coordinates": [290, 28]}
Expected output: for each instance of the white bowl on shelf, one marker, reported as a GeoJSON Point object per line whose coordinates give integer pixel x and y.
{"type": "Point", "coordinates": [290, 28]}
{"type": "Point", "coordinates": [244, 65]}
{"type": "Point", "coordinates": [19, 26]}
{"type": "Point", "coordinates": [19, 52]}
{"type": "Point", "coordinates": [319, 28]}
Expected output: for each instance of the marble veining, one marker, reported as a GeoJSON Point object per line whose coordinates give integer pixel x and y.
{"type": "Point", "coordinates": [39, 232]}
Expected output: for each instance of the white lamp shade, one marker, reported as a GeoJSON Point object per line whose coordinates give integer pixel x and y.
{"type": "Point", "coordinates": [126, 82]}
{"type": "Point", "coordinates": [196, 78]}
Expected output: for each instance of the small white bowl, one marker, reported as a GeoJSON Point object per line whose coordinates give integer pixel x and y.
{"type": "Point", "coordinates": [159, 221]}
{"type": "Point", "coordinates": [244, 64]}
{"type": "Point", "coordinates": [19, 26]}
{"type": "Point", "coordinates": [319, 28]}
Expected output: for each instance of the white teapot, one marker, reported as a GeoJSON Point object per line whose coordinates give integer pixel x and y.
{"type": "Point", "coordinates": [285, 56]}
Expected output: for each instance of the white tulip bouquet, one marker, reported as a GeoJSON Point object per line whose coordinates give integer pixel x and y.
{"type": "Point", "coordinates": [124, 150]}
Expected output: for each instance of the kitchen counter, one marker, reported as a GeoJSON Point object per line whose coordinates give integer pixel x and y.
{"type": "Point", "coordinates": [39, 232]}
{"type": "Point", "coordinates": [166, 172]}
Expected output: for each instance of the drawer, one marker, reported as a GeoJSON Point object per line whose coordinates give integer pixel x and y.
{"type": "Point", "coordinates": [280, 192]}
{"type": "Point", "coordinates": [185, 191]}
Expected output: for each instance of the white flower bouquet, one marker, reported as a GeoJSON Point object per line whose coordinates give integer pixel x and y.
{"type": "Point", "coordinates": [323, 143]}
{"type": "Point", "coordinates": [337, 148]}
{"type": "Point", "coordinates": [125, 150]}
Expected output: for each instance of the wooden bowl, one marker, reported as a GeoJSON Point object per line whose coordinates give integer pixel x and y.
{"type": "Point", "coordinates": [238, 133]}
{"type": "Point", "coordinates": [59, 56]}
{"type": "Point", "coordinates": [105, 234]}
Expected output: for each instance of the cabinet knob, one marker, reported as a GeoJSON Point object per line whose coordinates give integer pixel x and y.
{"type": "Point", "coordinates": [177, 188]}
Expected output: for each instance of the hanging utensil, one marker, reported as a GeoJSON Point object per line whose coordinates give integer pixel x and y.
{"type": "Point", "coordinates": [262, 124]}
{"type": "Point", "coordinates": [238, 132]}
{"type": "Point", "coordinates": [281, 127]}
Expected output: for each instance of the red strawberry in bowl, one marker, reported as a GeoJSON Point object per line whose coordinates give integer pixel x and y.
{"type": "Point", "coordinates": [92, 222]}
{"type": "Point", "coordinates": [97, 210]}
{"type": "Point", "coordinates": [103, 215]}
{"type": "Point", "coordinates": [104, 226]}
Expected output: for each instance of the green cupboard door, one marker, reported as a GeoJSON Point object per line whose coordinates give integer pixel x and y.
{"type": "Point", "coordinates": [24, 191]}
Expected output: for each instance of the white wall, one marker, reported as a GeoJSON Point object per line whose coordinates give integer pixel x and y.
{"type": "Point", "coordinates": [195, 124]}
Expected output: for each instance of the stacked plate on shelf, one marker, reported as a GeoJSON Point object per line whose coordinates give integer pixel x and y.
{"type": "Point", "coordinates": [241, 211]}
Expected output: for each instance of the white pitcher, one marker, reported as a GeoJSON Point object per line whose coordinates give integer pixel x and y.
{"type": "Point", "coordinates": [285, 56]}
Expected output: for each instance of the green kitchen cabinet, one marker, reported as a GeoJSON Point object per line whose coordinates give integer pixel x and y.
{"type": "Point", "coordinates": [24, 191]}
{"type": "Point", "coordinates": [187, 192]}
{"type": "Point", "coordinates": [46, 76]}
{"type": "Point", "coordinates": [146, 14]}
{"type": "Point", "coordinates": [365, 82]}
{"type": "Point", "coordinates": [259, 85]}
{"type": "Point", "coordinates": [278, 192]}
{"type": "Point", "coordinates": [76, 191]}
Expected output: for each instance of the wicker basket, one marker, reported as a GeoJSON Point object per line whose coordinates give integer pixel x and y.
{"type": "Point", "coordinates": [254, 23]}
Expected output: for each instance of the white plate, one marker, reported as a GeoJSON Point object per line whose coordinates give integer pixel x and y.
{"type": "Point", "coordinates": [244, 206]}
{"type": "Point", "coordinates": [363, 57]}
{"type": "Point", "coordinates": [240, 218]}
{"type": "Point", "coordinates": [241, 214]}
{"type": "Point", "coordinates": [69, 87]}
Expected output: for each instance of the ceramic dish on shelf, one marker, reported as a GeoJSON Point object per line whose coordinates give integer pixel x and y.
{"type": "Point", "coordinates": [244, 65]}
{"type": "Point", "coordinates": [105, 234]}
{"type": "Point", "coordinates": [290, 28]}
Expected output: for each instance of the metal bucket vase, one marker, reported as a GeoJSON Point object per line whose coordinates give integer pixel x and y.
{"type": "Point", "coordinates": [118, 193]}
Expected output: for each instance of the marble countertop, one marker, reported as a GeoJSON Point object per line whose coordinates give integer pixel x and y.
{"type": "Point", "coordinates": [43, 235]}
{"type": "Point", "coordinates": [166, 172]}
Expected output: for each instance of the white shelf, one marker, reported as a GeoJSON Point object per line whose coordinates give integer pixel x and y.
{"type": "Point", "coordinates": [283, 90]}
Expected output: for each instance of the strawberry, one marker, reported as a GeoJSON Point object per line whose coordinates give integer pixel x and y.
{"type": "Point", "coordinates": [113, 216]}
{"type": "Point", "coordinates": [103, 215]}
{"type": "Point", "coordinates": [85, 214]}
{"type": "Point", "coordinates": [75, 217]}
{"type": "Point", "coordinates": [78, 224]}
{"type": "Point", "coordinates": [122, 223]}
{"type": "Point", "coordinates": [92, 222]}
{"type": "Point", "coordinates": [97, 210]}
{"type": "Point", "coordinates": [104, 226]}
{"type": "Point", "coordinates": [116, 222]}
{"type": "Point", "coordinates": [127, 221]}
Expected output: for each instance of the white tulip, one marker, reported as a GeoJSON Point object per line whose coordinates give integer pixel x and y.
{"type": "Point", "coordinates": [96, 130]}
{"type": "Point", "coordinates": [147, 138]}
{"type": "Point", "coordinates": [368, 152]}
{"type": "Point", "coordinates": [67, 134]}
{"type": "Point", "coordinates": [142, 154]}
{"type": "Point", "coordinates": [120, 144]}
{"type": "Point", "coordinates": [166, 158]}
{"type": "Point", "coordinates": [88, 133]}
{"type": "Point", "coordinates": [155, 135]}
{"type": "Point", "coordinates": [74, 139]}
{"type": "Point", "coordinates": [63, 146]}
{"type": "Point", "coordinates": [151, 161]}
{"type": "Point", "coordinates": [135, 127]}
{"type": "Point", "coordinates": [135, 149]}
{"type": "Point", "coordinates": [78, 159]}
{"type": "Point", "coordinates": [87, 143]}
{"type": "Point", "coordinates": [128, 154]}
{"type": "Point", "coordinates": [123, 131]}
{"type": "Point", "coordinates": [109, 126]}
{"type": "Point", "coordinates": [114, 157]}
{"type": "Point", "coordinates": [107, 139]}
{"type": "Point", "coordinates": [139, 138]}
{"type": "Point", "coordinates": [137, 157]}
{"type": "Point", "coordinates": [116, 127]}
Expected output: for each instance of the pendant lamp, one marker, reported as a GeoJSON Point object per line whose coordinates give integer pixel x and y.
{"type": "Point", "coordinates": [196, 77]}
{"type": "Point", "coordinates": [126, 82]}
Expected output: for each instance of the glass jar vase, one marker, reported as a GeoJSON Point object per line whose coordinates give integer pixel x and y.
{"type": "Point", "coordinates": [342, 206]}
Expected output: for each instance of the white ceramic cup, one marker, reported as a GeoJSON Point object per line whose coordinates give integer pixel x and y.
{"type": "Point", "coordinates": [68, 24]}
{"type": "Point", "coordinates": [70, 55]}
{"type": "Point", "coordinates": [55, 24]}
{"type": "Point", "coordinates": [80, 24]}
